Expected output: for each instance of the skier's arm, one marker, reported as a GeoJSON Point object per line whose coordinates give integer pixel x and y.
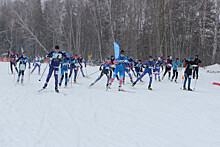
{"type": "Point", "coordinates": [18, 59]}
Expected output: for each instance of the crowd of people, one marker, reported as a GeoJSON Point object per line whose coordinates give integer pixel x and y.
{"type": "Point", "coordinates": [112, 68]}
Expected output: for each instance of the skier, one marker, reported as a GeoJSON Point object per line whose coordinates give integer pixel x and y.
{"type": "Point", "coordinates": [137, 67]}
{"type": "Point", "coordinates": [131, 62]}
{"type": "Point", "coordinates": [176, 64]}
{"type": "Point", "coordinates": [105, 70]}
{"type": "Point", "coordinates": [55, 56]}
{"type": "Point", "coordinates": [75, 64]}
{"type": "Point", "coordinates": [168, 67]}
{"type": "Point", "coordinates": [22, 66]}
{"type": "Point", "coordinates": [113, 64]}
{"type": "Point", "coordinates": [148, 65]}
{"type": "Point", "coordinates": [158, 64]}
{"type": "Point", "coordinates": [37, 63]}
{"type": "Point", "coordinates": [196, 68]}
{"type": "Point", "coordinates": [120, 61]}
{"type": "Point", "coordinates": [64, 69]}
{"type": "Point", "coordinates": [13, 58]}
{"type": "Point", "coordinates": [188, 72]}
{"type": "Point", "coordinates": [81, 60]}
{"type": "Point", "coordinates": [127, 68]}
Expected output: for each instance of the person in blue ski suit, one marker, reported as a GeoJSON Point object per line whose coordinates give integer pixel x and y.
{"type": "Point", "coordinates": [55, 60]}
{"type": "Point", "coordinates": [127, 68]}
{"type": "Point", "coordinates": [137, 67]}
{"type": "Point", "coordinates": [64, 69]}
{"type": "Point", "coordinates": [132, 62]}
{"type": "Point", "coordinates": [176, 65]}
{"type": "Point", "coordinates": [75, 64]}
{"type": "Point", "coordinates": [104, 71]}
{"type": "Point", "coordinates": [22, 66]}
{"type": "Point", "coordinates": [37, 63]}
{"type": "Point", "coordinates": [120, 61]}
{"type": "Point", "coordinates": [148, 65]}
{"type": "Point", "coordinates": [158, 64]}
{"type": "Point", "coordinates": [81, 60]}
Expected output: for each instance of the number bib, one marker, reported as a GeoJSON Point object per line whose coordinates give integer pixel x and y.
{"type": "Point", "coordinates": [22, 67]}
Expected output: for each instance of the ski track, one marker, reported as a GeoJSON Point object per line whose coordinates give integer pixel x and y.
{"type": "Point", "coordinates": [93, 117]}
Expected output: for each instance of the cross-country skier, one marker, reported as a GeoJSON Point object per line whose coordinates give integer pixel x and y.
{"type": "Point", "coordinates": [158, 64]}
{"type": "Point", "coordinates": [168, 67]}
{"type": "Point", "coordinates": [104, 71]}
{"type": "Point", "coordinates": [120, 61]}
{"type": "Point", "coordinates": [75, 64]}
{"type": "Point", "coordinates": [13, 58]}
{"type": "Point", "coordinates": [37, 63]}
{"type": "Point", "coordinates": [131, 62]}
{"type": "Point", "coordinates": [22, 66]}
{"type": "Point", "coordinates": [188, 72]}
{"type": "Point", "coordinates": [148, 65]}
{"type": "Point", "coordinates": [176, 65]}
{"type": "Point", "coordinates": [64, 69]}
{"type": "Point", "coordinates": [55, 56]}
{"type": "Point", "coordinates": [137, 67]}
{"type": "Point", "coordinates": [113, 64]}
{"type": "Point", "coordinates": [196, 69]}
{"type": "Point", "coordinates": [81, 60]}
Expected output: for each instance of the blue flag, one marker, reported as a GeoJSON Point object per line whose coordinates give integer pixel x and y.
{"type": "Point", "coordinates": [116, 49]}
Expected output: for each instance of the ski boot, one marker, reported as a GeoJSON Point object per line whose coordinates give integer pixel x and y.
{"type": "Point", "coordinates": [66, 85]}
{"type": "Point", "coordinates": [123, 82]}
{"type": "Point", "coordinates": [91, 84]}
{"type": "Point", "coordinates": [22, 81]}
{"type": "Point", "coordinates": [108, 85]}
{"type": "Point", "coordinates": [155, 79]}
{"type": "Point", "coordinates": [132, 81]}
{"type": "Point", "coordinates": [189, 89]}
{"type": "Point", "coordinates": [45, 85]}
{"type": "Point", "coordinates": [120, 88]}
{"type": "Point", "coordinates": [184, 87]}
{"type": "Point", "coordinates": [56, 89]}
{"type": "Point", "coordinates": [60, 84]}
{"type": "Point", "coordinates": [159, 80]}
{"type": "Point", "coordinates": [74, 81]}
{"type": "Point", "coordinates": [175, 81]}
{"type": "Point", "coordinates": [84, 76]}
{"type": "Point", "coordinates": [149, 87]}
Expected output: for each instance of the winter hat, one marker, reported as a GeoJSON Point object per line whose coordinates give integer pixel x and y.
{"type": "Point", "coordinates": [112, 56]}
{"type": "Point", "coordinates": [122, 51]}
{"type": "Point", "coordinates": [57, 47]}
{"type": "Point", "coordinates": [177, 58]}
{"type": "Point", "coordinates": [150, 57]}
{"type": "Point", "coordinates": [76, 56]}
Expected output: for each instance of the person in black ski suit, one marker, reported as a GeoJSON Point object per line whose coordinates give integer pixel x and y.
{"type": "Point", "coordinates": [13, 57]}
{"type": "Point", "coordinates": [188, 72]}
{"type": "Point", "coordinates": [168, 67]}
{"type": "Point", "coordinates": [196, 69]}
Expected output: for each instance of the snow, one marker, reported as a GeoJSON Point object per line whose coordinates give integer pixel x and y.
{"type": "Point", "coordinates": [94, 117]}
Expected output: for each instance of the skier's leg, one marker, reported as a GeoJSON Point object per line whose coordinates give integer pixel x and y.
{"type": "Point", "coordinates": [71, 71]}
{"type": "Point", "coordinates": [173, 75]}
{"type": "Point", "coordinates": [34, 68]}
{"type": "Point", "coordinates": [19, 73]}
{"type": "Point", "coordinates": [189, 81]}
{"type": "Point", "coordinates": [197, 73]}
{"type": "Point", "coordinates": [11, 65]}
{"type": "Point", "coordinates": [56, 72]}
{"type": "Point", "coordinates": [150, 75]}
{"type": "Point", "coordinates": [185, 80]}
{"type": "Point", "coordinates": [50, 73]}
{"type": "Point", "coordinates": [75, 72]}
{"type": "Point", "coordinates": [22, 76]}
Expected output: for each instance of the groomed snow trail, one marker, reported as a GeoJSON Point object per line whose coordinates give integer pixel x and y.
{"type": "Point", "coordinates": [94, 117]}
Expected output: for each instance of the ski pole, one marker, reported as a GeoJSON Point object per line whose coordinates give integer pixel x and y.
{"type": "Point", "coordinates": [93, 73]}
{"type": "Point", "coordinates": [44, 71]}
{"type": "Point", "coordinates": [86, 72]}
{"type": "Point", "coordinates": [29, 76]}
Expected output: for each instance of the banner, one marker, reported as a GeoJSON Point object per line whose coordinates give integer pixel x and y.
{"type": "Point", "coordinates": [116, 49]}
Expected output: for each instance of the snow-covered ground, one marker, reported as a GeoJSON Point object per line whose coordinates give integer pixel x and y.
{"type": "Point", "coordinates": [94, 117]}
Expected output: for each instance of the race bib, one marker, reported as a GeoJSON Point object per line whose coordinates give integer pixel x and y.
{"type": "Point", "coordinates": [22, 67]}
{"type": "Point", "coordinates": [76, 64]}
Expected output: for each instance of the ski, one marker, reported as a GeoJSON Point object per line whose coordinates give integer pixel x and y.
{"type": "Point", "coordinates": [186, 89]}
{"type": "Point", "coordinates": [41, 89]}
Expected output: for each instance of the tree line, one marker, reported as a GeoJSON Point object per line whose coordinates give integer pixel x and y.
{"type": "Point", "coordinates": [179, 28]}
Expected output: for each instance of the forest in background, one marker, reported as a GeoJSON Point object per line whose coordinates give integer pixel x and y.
{"type": "Point", "coordinates": [179, 28]}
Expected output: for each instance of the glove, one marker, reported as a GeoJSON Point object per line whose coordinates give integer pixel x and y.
{"type": "Point", "coordinates": [85, 65]}
{"type": "Point", "coordinates": [15, 63]}
{"type": "Point", "coordinates": [100, 68]}
{"type": "Point", "coordinates": [29, 67]}
{"type": "Point", "coordinates": [33, 64]}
